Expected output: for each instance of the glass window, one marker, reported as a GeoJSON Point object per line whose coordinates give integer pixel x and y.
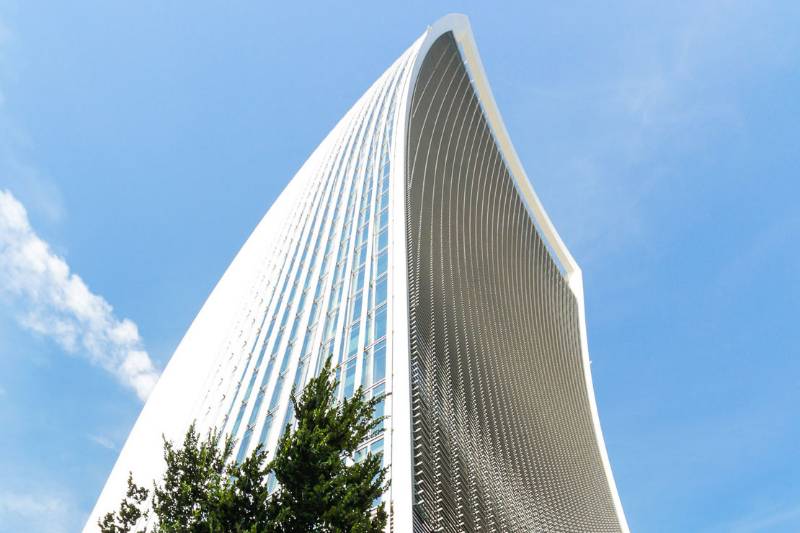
{"type": "Point", "coordinates": [269, 330]}
{"type": "Point", "coordinates": [383, 261]}
{"type": "Point", "coordinates": [270, 365]}
{"type": "Point", "coordinates": [362, 255]}
{"type": "Point", "coordinates": [376, 415]}
{"type": "Point", "coordinates": [245, 444]}
{"type": "Point", "coordinates": [331, 325]}
{"type": "Point", "coordinates": [288, 419]}
{"type": "Point", "coordinates": [383, 238]}
{"type": "Point", "coordinates": [298, 375]}
{"type": "Point", "coordinates": [286, 357]}
{"type": "Point", "coordinates": [350, 378]}
{"type": "Point", "coordinates": [384, 220]}
{"type": "Point", "coordinates": [273, 403]}
{"type": "Point", "coordinates": [356, 311]}
{"type": "Point", "coordinates": [380, 322]}
{"type": "Point", "coordinates": [320, 286]}
{"type": "Point", "coordinates": [251, 383]}
{"type": "Point", "coordinates": [366, 371]}
{"type": "Point", "coordinates": [293, 333]}
{"type": "Point", "coordinates": [278, 339]}
{"type": "Point", "coordinates": [265, 430]}
{"type": "Point", "coordinates": [309, 335]}
{"type": "Point", "coordinates": [379, 362]}
{"type": "Point", "coordinates": [336, 294]}
{"type": "Point", "coordinates": [325, 352]}
{"type": "Point", "coordinates": [313, 314]}
{"type": "Point", "coordinates": [352, 343]}
{"type": "Point", "coordinates": [359, 282]}
{"type": "Point", "coordinates": [380, 291]}
{"type": "Point", "coordinates": [375, 449]}
{"type": "Point", "coordinates": [368, 340]}
{"type": "Point", "coordinates": [239, 418]}
{"type": "Point", "coordinates": [256, 407]}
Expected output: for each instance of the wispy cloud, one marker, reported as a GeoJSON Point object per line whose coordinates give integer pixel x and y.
{"type": "Point", "coordinates": [49, 299]}
{"type": "Point", "coordinates": [38, 512]}
{"type": "Point", "coordinates": [28, 504]}
{"type": "Point", "coordinates": [104, 442]}
{"type": "Point", "coordinates": [615, 139]}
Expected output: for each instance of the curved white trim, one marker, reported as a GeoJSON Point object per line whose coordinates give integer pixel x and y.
{"type": "Point", "coordinates": [459, 25]}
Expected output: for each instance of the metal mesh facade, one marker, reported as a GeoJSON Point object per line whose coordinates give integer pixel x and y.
{"type": "Point", "coordinates": [502, 429]}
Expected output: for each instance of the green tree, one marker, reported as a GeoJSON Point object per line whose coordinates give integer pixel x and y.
{"type": "Point", "coordinates": [130, 511]}
{"type": "Point", "coordinates": [322, 489]}
{"type": "Point", "coordinates": [320, 486]}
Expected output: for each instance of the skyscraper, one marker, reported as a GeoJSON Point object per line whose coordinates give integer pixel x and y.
{"type": "Point", "coordinates": [412, 249]}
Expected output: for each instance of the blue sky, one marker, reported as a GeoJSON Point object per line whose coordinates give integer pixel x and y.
{"type": "Point", "coordinates": [146, 139]}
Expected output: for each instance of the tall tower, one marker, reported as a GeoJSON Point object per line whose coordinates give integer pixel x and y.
{"type": "Point", "coordinates": [412, 249]}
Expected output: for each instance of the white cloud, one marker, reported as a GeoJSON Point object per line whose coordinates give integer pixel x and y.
{"type": "Point", "coordinates": [52, 301]}
{"type": "Point", "coordinates": [35, 512]}
{"type": "Point", "coordinates": [27, 504]}
{"type": "Point", "coordinates": [105, 442]}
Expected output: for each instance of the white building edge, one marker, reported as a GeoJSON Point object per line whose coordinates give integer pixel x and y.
{"type": "Point", "coordinates": [206, 379]}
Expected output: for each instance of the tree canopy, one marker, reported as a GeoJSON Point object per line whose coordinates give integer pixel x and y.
{"type": "Point", "coordinates": [320, 485]}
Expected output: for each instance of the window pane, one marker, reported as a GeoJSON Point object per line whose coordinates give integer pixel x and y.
{"type": "Point", "coordinates": [366, 372]}
{"type": "Point", "coordinates": [368, 340]}
{"type": "Point", "coordinates": [331, 325]}
{"type": "Point", "coordinates": [243, 448]}
{"type": "Point", "coordinates": [379, 362]}
{"type": "Point", "coordinates": [377, 414]}
{"type": "Point", "coordinates": [276, 394]}
{"type": "Point", "coordinates": [383, 238]}
{"type": "Point", "coordinates": [375, 449]}
{"type": "Point", "coordinates": [265, 430]}
{"type": "Point", "coordinates": [383, 261]}
{"type": "Point", "coordinates": [356, 311]}
{"type": "Point", "coordinates": [352, 343]}
{"type": "Point", "coordinates": [256, 408]}
{"type": "Point", "coordinates": [362, 255]}
{"type": "Point", "coordinates": [325, 352]}
{"type": "Point", "coordinates": [313, 314]}
{"type": "Point", "coordinates": [287, 355]}
{"type": "Point", "coordinates": [350, 378]}
{"type": "Point", "coordinates": [239, 418]}
{"type": "Point", "coordinates": [380, 322]}
{"type": "Point", "coordinates": [359, 282]}
{"type": "Point", "coordinates": [380, 291]}
{"type": "Point", "coordinates": [298, 375]}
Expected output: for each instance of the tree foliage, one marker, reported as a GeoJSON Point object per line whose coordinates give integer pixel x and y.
{"type": "Point", "coordinates": [320, 487]}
